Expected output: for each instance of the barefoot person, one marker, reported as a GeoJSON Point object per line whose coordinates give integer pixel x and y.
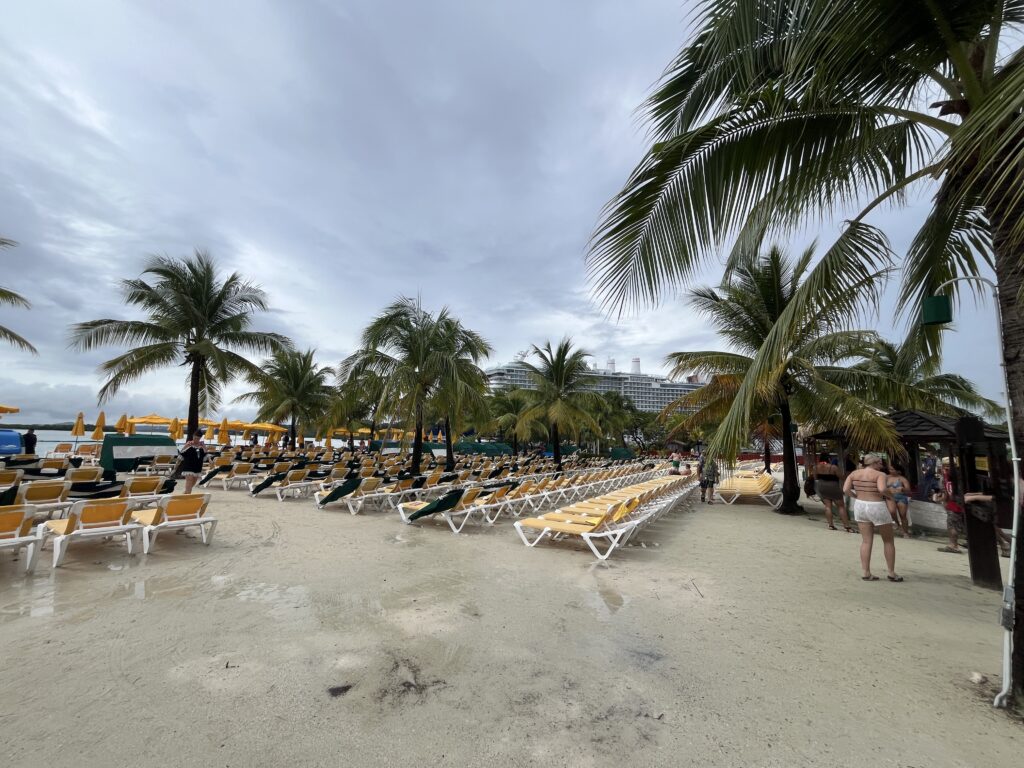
{"type": "Point", "coordinates": [830, 490]}
{"type": "Point", "coordinates": [955, 523]}
{"type": "Point", "coordinates": [192, 454]}
{"type": "Point", "coordinates": [867, 485]}
{"type": "Point", "coordinates": [899, 504]}
{"type": "Point", "coordinates": [707, 473]}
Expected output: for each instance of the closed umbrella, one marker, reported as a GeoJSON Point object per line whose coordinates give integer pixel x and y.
{"type": "Point", "coordinates": [78, 430]}
{"type": "Point", "coordinates": [121, 425]}
{"type": "Point", "coordinates": [129, 427]}
{"type": "Point", "coordinates": [327, 442]}
{"type": "Point", "coordinates": [209, 433]}
{"type": "Point", "coordinates": [223, 435]}
{"type": "Point", "coordinates": [174, 429]}
{"type": "Point", "coordinates": [101, 422]}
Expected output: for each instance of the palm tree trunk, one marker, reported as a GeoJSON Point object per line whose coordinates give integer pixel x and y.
{"type": "Point", "coordinates": [1010, 278]}
{"type": "Point", "coordinates": [790, 486]}
{"type": "Point", "coordinates": [556, 445]}
{"type": "Point", "coordinates": [291, 432]}
{"type": "Point", "coordinates": [193, 399]}
{"type": "Point", "coordinates": [767, 453]}
{"type": "Point", "coordinates": [449, 449]}
{"type": "Point", "coordinates": [515, 444]}
{"type": "Point", "coordinates": [417, 441]}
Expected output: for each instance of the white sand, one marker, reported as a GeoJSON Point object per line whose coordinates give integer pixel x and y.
{"type": "Point", "coordinates": [742, 639]}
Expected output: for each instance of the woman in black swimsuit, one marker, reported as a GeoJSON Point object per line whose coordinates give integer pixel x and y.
{"type": "Point", "coordinates": [830, 490]}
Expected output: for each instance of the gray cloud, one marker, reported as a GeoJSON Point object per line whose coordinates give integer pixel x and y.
{"type": "Point", "coordinates": [339, 154]}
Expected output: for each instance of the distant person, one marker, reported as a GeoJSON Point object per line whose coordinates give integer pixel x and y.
{"type": "Point", "coordinates": [929, 477]}
{"type": "Point", "coordinates": [899, 504]}
{"type": "Point", "coordinates": [955, 522]}
{"type": "Point", "coordinates": [867, 485]}
{"type": "Point", "coordinates": [687, 471]}
{"type": "Point", "coordinates": [29, 438]}
{"type": "Point", "coordinates": [829, 487]}
{"type": "Point", "coordinates": [255, 441]}
{"type": "Point", "coordinates": [675, 459]}
{"type": "Point", "coordinates": [707, 473]}
{"type": "Point", "coordinates": [192, 454]}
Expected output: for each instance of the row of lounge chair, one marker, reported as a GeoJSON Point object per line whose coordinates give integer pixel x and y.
{"type": "Point", "coordinates": [606, 522]}
{"type": "Point", "coordinates": [749, 483]}
{"type": "Point", "coordinates": [102, 518]}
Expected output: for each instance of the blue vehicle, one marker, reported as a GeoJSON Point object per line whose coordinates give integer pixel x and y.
{"type": "Point", "coordinates": [10, 442]}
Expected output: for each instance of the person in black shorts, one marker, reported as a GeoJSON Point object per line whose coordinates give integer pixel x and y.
{"type": "Point", "coordinates": [192, 454]}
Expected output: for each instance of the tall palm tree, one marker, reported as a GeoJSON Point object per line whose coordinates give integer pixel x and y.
{"type": "Point", "coordinates": [510, 414]}
{"type": "Point", "coordinates": [12, 299]}
{"type": "Point", "coordinates": [614, 414]}
{"type": "Point", "coordinates": [463, 384]}
{"type": "Point", "coordinates": [422, 360]}
{"type": "Point", "coordinates": [561, 399]}
{"type": "Point", "coordinates": [781, 111]}
{"type": "Point", "coordinates": [290, 385]}
{"type": "Point", "coordinates": [910, 364]}
{"type": "Point", "coordinates": [192, 319]}
{"type": "Point", "coordinates": [351, 407]}
{"type": "Point", "coordinates": [809, 383]}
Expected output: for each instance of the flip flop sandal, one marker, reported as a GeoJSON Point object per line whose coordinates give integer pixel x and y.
{"type": "Point", "coordinates": [850, 529]}
{"type": "Point", "coordinates": [869, 578]}
{"type": "Point", "coordinates": [951, 551]}
{"type": "Point", "coordinates": [894, 578]}
{"type": "Point", "coordinates": [832, 528]}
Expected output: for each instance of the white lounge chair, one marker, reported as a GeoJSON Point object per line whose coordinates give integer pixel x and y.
{"type": "Point", "coordinates": [175, 512]}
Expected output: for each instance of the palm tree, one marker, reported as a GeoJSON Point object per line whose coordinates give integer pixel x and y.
{"type": "Point", "coordinates": [780, 111]}
{"type": "Point", "coordinates": [290, 385]}
{"type": "Point", "coordinates": [911, 364]}
{"type": "Point", "coordinates": [422, 360]}
{"type": "Point", "coordinates": [614, 414]}
{"type": "Point", "coordinates": [809, 383]}
{"type": "Point", "coordinates": [12, 299]}
{"type": "Point", "coordinates": [193, 319]}
{"type": "Point", "coordinates": [562, 398]}
{"type": "Point", "coordinates": [463, 384]}
{"type": "Point", "coordinates": [351, 407]}
{"type": "Point", "coordinates": [510, 413]}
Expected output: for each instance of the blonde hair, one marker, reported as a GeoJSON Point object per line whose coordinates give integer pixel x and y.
{"type": "Point", "coordinates": [871, 458]}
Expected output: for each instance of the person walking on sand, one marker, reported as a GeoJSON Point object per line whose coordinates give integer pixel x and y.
{"type": "Point", "coordinates": [867, 485]}
{"type": "Point", "coordinates": [899, 504]}
{"type": "Point", "coordinates": [828, 485]}
{"type": "Point", "coordinates": [192, 454]}
{"type": "Point", "coordinates": [955, 523]}
{"type": "Point", "coordinates": [707, 473]}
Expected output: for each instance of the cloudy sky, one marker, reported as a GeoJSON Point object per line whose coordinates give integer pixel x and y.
{"type": "Point", "coordinates": [340, 153]}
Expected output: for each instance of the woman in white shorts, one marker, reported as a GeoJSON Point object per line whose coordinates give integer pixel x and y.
{"type": "Point", "coordinates": [868, 486]}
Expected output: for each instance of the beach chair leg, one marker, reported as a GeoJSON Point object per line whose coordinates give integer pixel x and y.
{"type": "Point", "coordinates": [60, 548]}
{"type": "Point", "coordinates": [206, 530]}
{"type": "Point", "coordinates": [32, 555]}
{"type": "Point", "coordinates": [522, 535]}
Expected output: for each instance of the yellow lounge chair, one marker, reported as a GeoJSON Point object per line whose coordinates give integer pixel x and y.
{"type": "Point", "coordinates": [90, 518]}
{"type": "Point", "coordinates": [174, 512]}
{"type": "Point", "coordinates": [16, 532]}
{"type": "Point", "coordinates": [47, 496]}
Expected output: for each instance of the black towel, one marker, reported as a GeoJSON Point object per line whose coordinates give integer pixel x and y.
{"type": "Point", "coordinates": [442, 504]}
{"type": "Point", "coordinates": [340, 491]}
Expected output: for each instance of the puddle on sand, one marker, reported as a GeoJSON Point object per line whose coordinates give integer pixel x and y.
{"type": "Point", "coordinates": [285, 603]}
{"type": "Point", "coordinates": [605, 601]}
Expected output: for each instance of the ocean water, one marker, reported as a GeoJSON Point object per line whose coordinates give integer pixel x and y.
{"type": "Point", "coordinates": [48, 439]}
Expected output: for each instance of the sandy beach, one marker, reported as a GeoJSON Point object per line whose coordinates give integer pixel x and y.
{"type": "Point", "coordinates": [732, 637]}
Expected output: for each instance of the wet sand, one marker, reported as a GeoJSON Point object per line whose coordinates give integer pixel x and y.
{"type": "Point", "coordinates": [736, 637]}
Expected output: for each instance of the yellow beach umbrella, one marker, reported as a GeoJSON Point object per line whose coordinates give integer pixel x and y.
{"type": "Point", "coordinates": [209, 432]}
{"type": "Point", "coordinates": [152, 419]}
{"type": "Point", "coordinates": [223, 434]}
{"type": "Point", "coordinates": [174, 429]}
{"type": "Point", "coordinates": [121, 425]}
{"type": "Point", "coordinates": [9, 409]}
{"type": "Point", "coordinates": [101, 422]}
{"type": "Point", "coordinates": [78, 430]}
{"type": "Point", "coordinates": [129, 427]}
{"type": "Point", "coordinates": [327, 442]}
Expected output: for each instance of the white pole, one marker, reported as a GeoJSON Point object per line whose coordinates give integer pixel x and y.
{"type": "Point", "coordinates": [1002, 698]}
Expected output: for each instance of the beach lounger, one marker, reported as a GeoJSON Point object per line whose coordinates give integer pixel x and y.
{"type": "Point", "coordinates": [161, 465]}
{"type": "Point", "coordinates": [463, 509]}
{"type": "Point", "coordinates": [60, 450]}
{"type": "Point", "coordinates": [101, 518]}
{"type": "Point", "coordinates": [176, 512]}
{"type": "Point", "coordinates": [295, 483]}
{"type": "Point", "coordinates": [16, 532]}
{"type": "Point", "coordinates": [47, 496]}
{"type": "Point", "coordinates": [9, 478]}
{"type": "Point", "coordinates": [238, 476]}
{"type": "Point", "coordinates": [410, 511]}
{"type": "Point", "coordinates": [367, 487]}
{"type": "Point", "coordinates": [605, 525]}
{"type": "Point", "coordinates": [749, 484]}
{"type": "Point", "coordinates": [337, 493]}
{"type": "Point", "coordinates": [84, 475]}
